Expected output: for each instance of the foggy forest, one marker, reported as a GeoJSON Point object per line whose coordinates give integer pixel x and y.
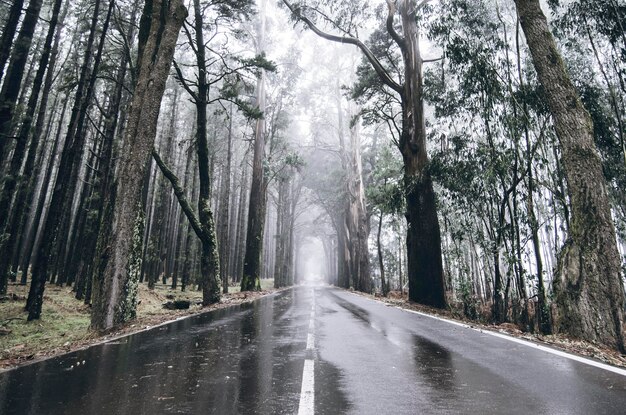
{"type": "Point", "coordinates": [170, 160]}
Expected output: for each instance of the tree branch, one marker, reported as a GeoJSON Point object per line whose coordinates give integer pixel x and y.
{"type": "Point", "coordinates": [391, 7]}
{"type": "Point", "coordinates": [378, 67]}
{"type": "Point", "coordinates": [180, 194]}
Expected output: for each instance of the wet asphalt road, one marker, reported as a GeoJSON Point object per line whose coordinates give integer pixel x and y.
{"type": "Point", "coordinates": [362, 358]}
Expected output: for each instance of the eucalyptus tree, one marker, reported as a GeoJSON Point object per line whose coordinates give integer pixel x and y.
{"type": "Point", "coordinates": [404, 85]}
{"type": "Point", "coordinates": [250, 279]}
{"type": "Point", "coordinates": [589, 286]}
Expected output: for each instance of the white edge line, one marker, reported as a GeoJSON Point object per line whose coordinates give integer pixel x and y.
{"type": "Point", "coordinates": [310, 341]}
{"type": "Point", "coordinates": [525, 342]}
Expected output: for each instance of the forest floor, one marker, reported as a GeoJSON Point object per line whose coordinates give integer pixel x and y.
{"type": "Point", "coordinates": [64, 323]}
{"type": "Point", "coordinates": [558, 341]}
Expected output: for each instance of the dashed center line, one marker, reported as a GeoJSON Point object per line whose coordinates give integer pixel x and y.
{"type": "Point", "coordinates": [307, 393]}
{"type": "Point", "coordinates": [310, 341]}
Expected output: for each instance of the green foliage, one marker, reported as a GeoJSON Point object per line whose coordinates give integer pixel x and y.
{"type": "Point", "coordinates": [386, 190]}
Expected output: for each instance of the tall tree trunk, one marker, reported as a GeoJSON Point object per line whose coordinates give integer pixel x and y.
{"type": "Point", "coordinates": [588, 285]}
{"type": "Point", "coordinates": [224, 236]}
{"type": "Point", "coordinates": [209, 259]}
{"type": "Point", "coordinates": [37, 134]}
{"type": "Point", "coordinates": [359, 221]}
{"type": "Point", "coordinates": [384, 287]}
{"type": "Point", "coordinates": [13, 220]}
{"type": "Point", "coordinates": [242, 219]}
{"type": "Point", "coordinates": [15, 72]}
{"type": "Point", "coordinates": [77, 132]}
{"type": "Point", "coordinates": [424, 268]}
{"type": "Point", "coordinates": [116, 271]}
{"type": "Point", "coordinates": [32, 246]}
{"type": "Point", "coordinates": [250, 280]}
{"type": "Point", "coordinates": [8, 33]}
{"type": "Point", "coordinates": [72, 151]}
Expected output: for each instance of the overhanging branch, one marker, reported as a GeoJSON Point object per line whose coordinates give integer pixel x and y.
{"type": "Point", "coordinates": [378, 67]}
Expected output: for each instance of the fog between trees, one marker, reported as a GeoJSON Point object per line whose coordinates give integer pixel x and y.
{"type": "Point", "coordinates": [470, 153]}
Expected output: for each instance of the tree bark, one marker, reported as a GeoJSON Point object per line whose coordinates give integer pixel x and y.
{"type": "Point", "coordinates": [588, 285]}
{"type": "Point", "coordinates": [424, 268]}
{"type": "Point", "coordinates": [115, 270]}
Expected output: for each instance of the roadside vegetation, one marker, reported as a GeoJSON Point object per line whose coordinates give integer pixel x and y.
{"type": "Point", "coordinates": [65, 324]}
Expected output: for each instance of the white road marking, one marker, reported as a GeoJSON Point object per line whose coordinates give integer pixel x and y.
{"type": "Point", "coordinates": [527, 343]}
{"type": "Point", "coordinates": [307, 393]}
{"type": "Point", "coordinates": [311, 325]}
{"type": "Point", "coordinates": [310, 341]}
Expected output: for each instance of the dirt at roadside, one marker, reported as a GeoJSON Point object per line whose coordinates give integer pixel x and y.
{"type": "Point", "coordinates": [26, 342]}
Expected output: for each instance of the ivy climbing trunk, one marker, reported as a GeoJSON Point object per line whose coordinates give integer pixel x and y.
{"type": "Point", "coordinates": [117, 264]}
{"type": "Point", "coordinates": [588, 285]}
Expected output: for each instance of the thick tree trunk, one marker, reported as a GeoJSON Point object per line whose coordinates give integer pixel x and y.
{"type": "Point", "coordinates": [425, 268]}
{"type": "Point", "coordinates": [282, 229]}
{"type": "Point", "coordinates": [589, 288]}
{"type": "Point", "coordinates": [115, 270]}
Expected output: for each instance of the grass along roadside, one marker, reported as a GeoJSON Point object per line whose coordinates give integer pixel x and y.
{"type": "Point", "coordinates": [64, 323]}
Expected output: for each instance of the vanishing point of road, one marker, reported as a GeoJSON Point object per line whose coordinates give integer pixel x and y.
{"type": "Point", "coordinates": [314, 350]}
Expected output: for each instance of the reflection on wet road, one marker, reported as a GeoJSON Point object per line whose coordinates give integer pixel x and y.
{"type": "Point", "coordinates": [362, 358]}
{"type": "Point", "coordinates": [244, 359]}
